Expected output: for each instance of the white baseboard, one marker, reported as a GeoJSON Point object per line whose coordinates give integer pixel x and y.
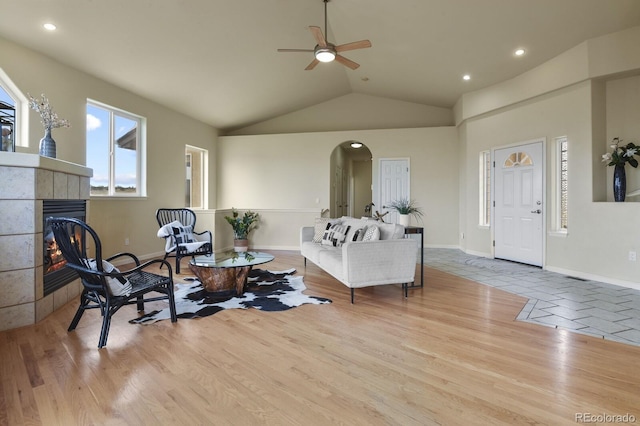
{"type": "Point", "coordinates": [593, 277]}
{"type": "Point", "coordinates": [143, 258]}
{"type": "Point", "coordinates": [478, 253]}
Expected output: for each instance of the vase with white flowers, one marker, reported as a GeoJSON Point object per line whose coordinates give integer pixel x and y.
{"type": "Point", "coordinates": [619, 156]}
{"type": "Point", "coordinates": [50, 120]}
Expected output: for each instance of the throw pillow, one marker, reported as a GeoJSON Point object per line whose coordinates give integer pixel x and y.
{"type": "Point", "coordinates": [335, 235]}
{"type": "Point", "coordinates": [359, 234]}
{"type": "Point", "coordinates": [372, 233]}
{"type": "Point", "coordinates": [118, 286]}
{"type": "Point", "coordinates": [321, 225]}
{"type": "Point", "coordinates": [183, 234]}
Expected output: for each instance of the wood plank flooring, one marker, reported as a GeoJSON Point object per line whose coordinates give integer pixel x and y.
{"type": "Point", "coordinates": [450, 354]}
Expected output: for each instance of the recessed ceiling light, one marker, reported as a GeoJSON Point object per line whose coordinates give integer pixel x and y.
{"type": "Point", "coordinates": [49, 26]}
{"type": "Point", "coordinates": [466, 77]}
{"type": "Point", "coordinates": [519, 52]}
{"type": "Point", "coordinates": [355, 144]}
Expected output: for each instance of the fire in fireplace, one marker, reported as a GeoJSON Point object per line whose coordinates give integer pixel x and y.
{"type": "Point", "coordinates": [56, 274]}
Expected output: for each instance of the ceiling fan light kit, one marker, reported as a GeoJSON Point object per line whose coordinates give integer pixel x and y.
{"type": "Point", "coordinates": [325, 54]}
{"type": "Point", "coordinates": [328, 52]}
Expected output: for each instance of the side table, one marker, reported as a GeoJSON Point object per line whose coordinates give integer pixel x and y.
{"type": "Point", "coordinates": [418, 230]}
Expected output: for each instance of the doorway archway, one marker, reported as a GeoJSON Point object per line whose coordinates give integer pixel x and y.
{"type": "Point", "coordinates": [351, 178]}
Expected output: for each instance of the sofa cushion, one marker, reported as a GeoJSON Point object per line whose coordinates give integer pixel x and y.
{"type": "Point", "coordinates": [357, 234]}
{"type": "Point", "coordinates": [372, 233]}
{"type": "Point", "coordinates": [388, 231]}
{"type": "Point", "coordinates": [336, 235]}
{"type": "Point", "coordinates": [118, 286]}
{"type": "Point", "coordinates": [355, 225]}
{"type": "Point", "coordinates": [330, 259]}
{"type": "Point", "coordinates": [321, 225]}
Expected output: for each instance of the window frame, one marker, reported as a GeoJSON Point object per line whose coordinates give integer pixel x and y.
{"type": "Point", "coordinates": [21, 125]}
{"type": "Point", "coordinates": [561, 221]}
{"type": "Point", "coordinates": [484, 189]}
{"type": "Point", "coordinates": [141, 151]}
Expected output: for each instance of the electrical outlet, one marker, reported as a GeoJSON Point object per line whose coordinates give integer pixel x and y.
{"type": "Point", "coordinates": [632, 256]}
{"type": "Point", "coordinates": [126, 241]}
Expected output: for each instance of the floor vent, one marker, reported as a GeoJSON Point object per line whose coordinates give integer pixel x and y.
{"type": "Point", "coordinates": [576, 278]}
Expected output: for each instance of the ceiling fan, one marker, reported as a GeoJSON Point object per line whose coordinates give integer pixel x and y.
{"type": "Point", "coordinates": [327, 52]}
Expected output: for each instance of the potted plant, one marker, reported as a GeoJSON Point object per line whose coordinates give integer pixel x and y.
{"type": "Point", "coordinates": [405, 208]}
{"type": "Point", "coordinates": [242, 225]}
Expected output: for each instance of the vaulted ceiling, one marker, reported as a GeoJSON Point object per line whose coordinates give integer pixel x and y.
{"type": "Point", "coordinates": [217, 60]}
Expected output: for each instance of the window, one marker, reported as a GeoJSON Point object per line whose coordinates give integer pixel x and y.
{"type": "Point", "coordinates": [518, 159]}
{"type": "Point", "coordinates": [563, 185]}
{"type": "Point", "coordinates": [196, 170]}
{"type": "Point", "coordinates": [7, 121]}
{"type": "Point", "coordinates": [14, 115]}
{"type": "Point", "coordinates": [115, 151]}
{"type": "Point", "coordinates": [485, 188]}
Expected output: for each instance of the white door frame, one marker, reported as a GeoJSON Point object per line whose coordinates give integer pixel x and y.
{"type": "Point", "coordinates": [543, 141]}
{"type": "Point", "coordinates": [378, 202]}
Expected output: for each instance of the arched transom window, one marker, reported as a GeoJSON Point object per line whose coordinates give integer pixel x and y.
{"type": "Point", "coordinates": [518, 159]}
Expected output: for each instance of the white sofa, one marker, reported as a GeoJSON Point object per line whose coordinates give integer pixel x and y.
{"type": "Point", "coordinates": [388, 259]}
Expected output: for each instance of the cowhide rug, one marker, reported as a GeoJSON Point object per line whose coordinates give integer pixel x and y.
{"type": "Point", "coordinates": [266, 290]}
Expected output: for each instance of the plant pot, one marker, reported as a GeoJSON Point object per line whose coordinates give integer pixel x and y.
{"type": "Point", "coordinates": [240, 245]}
{"type": "Point", "coordinates": [404, 219]}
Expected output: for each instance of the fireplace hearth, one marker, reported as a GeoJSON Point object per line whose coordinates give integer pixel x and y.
{"type": "Point", "coordinates": [56, 273]}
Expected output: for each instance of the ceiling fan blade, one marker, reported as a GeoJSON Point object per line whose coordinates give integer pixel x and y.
{"type": "Point", "coordinates": [347, 62]}
{"type": "Point", "coordinates": [317, 34]}
{"type": "Point", "coordinates": [362, 44]}
{"type": "Point", "coordinates": [312, 65]}
{"type": "Point", "coordinates": [295, 50]}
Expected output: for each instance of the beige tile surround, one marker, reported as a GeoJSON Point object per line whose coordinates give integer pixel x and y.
{"type": "Point", "coordinates": [27, 180]}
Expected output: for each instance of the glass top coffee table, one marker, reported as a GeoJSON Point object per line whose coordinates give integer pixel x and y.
{"type": "Point", "coordinates": [226, 273]}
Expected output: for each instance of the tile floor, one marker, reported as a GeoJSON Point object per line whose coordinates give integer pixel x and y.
{"type": "Point", "coordinates": [555, 300]}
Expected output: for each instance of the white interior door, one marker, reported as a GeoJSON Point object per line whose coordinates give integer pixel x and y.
{"type": "Point", "coordinates": [394, 184]}
{"type": "Point", "coordinates": [518, 197]}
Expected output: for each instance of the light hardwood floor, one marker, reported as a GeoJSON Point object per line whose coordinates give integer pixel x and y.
{"type": "Point", "coordinates": [450, 354]}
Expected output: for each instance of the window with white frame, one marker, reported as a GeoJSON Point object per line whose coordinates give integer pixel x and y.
{"type": "Point", "coordinates": [14, 115]}
{"type": "Point", "coordinates": [115, 151]}
{"type": "Point", "coordinates": [562, 184]}
{"type": "Point", "coordinates": [484, 189]}
{"type": "Point", "coordinates": [7, 120]}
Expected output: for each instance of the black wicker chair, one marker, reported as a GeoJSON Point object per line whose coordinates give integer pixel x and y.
{"type": "Point", "coordinates": [174, 246]}
{"type": "Point", "coordinates": [75, 239]}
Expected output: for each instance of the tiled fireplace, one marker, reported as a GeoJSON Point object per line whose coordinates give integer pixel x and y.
{"type": "Point", "coordinates": [27, 181]}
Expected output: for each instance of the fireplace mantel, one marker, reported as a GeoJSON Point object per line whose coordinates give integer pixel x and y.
{"type": "Point", "coordinates": [27, 180]}
{"type": "Point", "coordinates": [35, 161]}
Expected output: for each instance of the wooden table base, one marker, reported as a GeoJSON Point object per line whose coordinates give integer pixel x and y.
{"type": "Point", "coordinates": [218, 280]}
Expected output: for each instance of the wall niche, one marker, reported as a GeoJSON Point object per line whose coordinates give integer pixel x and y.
{"type": "Point", "coordinates": [621, 112]}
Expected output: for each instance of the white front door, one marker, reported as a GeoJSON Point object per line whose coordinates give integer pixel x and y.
{"type": "Point", "coordinates": [518, 210]}
{"type": "Point", "coordinates": [394, 185]}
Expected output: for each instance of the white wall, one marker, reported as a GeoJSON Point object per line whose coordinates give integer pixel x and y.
{"type": "Point", "coordinates": [168, 132]}
{"type": "Point", "coordinates": [292, 172]}
{"type": "Point", "coordinates": [623, 121]}
{"type": "Point", "coordinates": [564, 98]}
